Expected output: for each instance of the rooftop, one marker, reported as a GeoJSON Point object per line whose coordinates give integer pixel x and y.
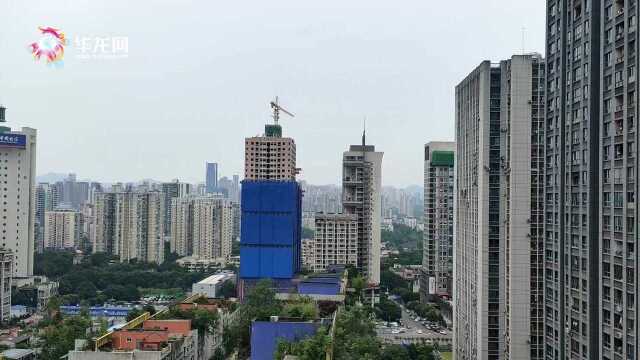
{"type": "Point", "coordinates": [16, 353]}
{"type": "Point", "coordinates": [217, 278]}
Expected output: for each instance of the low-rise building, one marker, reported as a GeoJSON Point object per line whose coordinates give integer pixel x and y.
{"type": "Point", "coordinates": [212, 285]}
{"type": "Point", "coordinates": [195, 264]}
{"type": "Point", "coordinates": [19, 354]}
{"type": "Point", "coordinates": [145, 340]}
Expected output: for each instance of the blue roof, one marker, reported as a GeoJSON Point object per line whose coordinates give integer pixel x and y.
{"type": "Point", "coordinates": [265, 336]}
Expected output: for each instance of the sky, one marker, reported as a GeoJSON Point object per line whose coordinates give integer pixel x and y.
{"type": "Point", "coordinates": [197, 78]}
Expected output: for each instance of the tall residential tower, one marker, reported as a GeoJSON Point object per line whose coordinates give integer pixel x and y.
{"type": "Point", "coordinates": [18, 207]}
{"type": "Point", "coordinates": [498, 261]}
{"type": "Point", "coordinates": [361, 185]}
{"type": "Point", "coordinates": [591, 207]}
{"type": "Point", "coordinates": [437, 254]}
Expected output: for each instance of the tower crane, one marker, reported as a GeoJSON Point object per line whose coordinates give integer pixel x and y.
{"type": "Point", "coordinates": [276, 111]}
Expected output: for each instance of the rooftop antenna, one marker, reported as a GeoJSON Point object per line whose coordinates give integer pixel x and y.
{"type": "Point", "coordinates": [276, 111]}
{"type": "Point", "coordinates": [523, 32]}
{"type": "Point", "coordinates": [364, 131]}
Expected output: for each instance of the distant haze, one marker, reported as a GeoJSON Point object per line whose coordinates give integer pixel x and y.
{"type": "Point", "coordinates": [199, 76]}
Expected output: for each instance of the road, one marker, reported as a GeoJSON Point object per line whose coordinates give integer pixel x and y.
{"type": "Point", "coordinates": [413, 332]}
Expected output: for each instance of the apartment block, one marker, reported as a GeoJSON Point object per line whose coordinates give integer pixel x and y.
{"type": "Point", "coordinates": [498, 263]}
{"type": "Point", "coordinates": [47, 199]}
{"type": "Point", "coordinates": [202, 227]}
{"type": "Point", "coordinates": [436, 276]}
{"type": "Point", "coordinates": [335, 242]}
{"type": "Point", "coordinates": [130, 225]}
{"type": "Point", "coordinates": [18, 208]}
{"type": "Point", "coordinates": [361, 186]}
{"type": "Point", "coordinates": [63, 229]}
{"type": "Point", "coordinates": [6, 275]}
{"type": "Point", "coordinates": [173, 190]}
{"type": "Point", "coordinates": [591, 255]}
{"type": "Point", "coordinates": [270, 157]}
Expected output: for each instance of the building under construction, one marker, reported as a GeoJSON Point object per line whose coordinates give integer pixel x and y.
{"type": "Point", "coordinates": [361, 184]}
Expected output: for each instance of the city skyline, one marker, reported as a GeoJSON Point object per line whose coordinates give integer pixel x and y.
{"type": "Point", "coordinates": [329, 73]}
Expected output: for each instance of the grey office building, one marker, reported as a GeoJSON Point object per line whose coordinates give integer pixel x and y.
{"type": "Point", "coordinates": [211, 181]}
{"type": "Point", "coordinates": [498, 258]}
{"type": "Point", "coordinates": [437, 254]}
{"type": "Point", "coordinates": [591, 287]}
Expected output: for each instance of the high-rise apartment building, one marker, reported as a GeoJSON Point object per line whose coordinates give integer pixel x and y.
{"type": "Point", "coordinates": [202, 227]}
{"type": "Point", "coordinates": [361, 186]}
{"type": "Point", "coordinates": [130, 225]}
{"type": "Point", "coordinates": [6, 276]}
{"type": "Point", "coordinates": [18, 206]}
{"type": "Point", "coordinates": [46, 200]}
{"type": "Point", "coordinates": [63, 229]}
{"type": "Point", "coordinates": [498, 261]}
{"type": "Point", "coordinates": [591, 207]}
{"type": "Point", "coordinates": [437, 254]}
{"type": "Point", "coordinates": [172, 190]}
{"type": "Point", "coordinates": [211, 180]}
{"type": "Point", "coordinates": [270, 157]}
{"type": "Point", "coordinates": [335, 241]}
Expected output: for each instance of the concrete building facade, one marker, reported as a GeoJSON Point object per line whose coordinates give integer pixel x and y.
{"type": "Point", "coordinates": [335, 241]}
{"type": "Point", "coordinates": [62, 229]}
{"type": "Point", "coordinates": [173, 190]}
{"type": "Point", "coordinates": [47, 199]}
{"type": "Point", "coordinates": [498, 261]}
{"type": "Point", "coordinates": [361, 186]}
{"type": "Point", "coordinates": [437, 258]}
{"type": "Point", "coordinates": [211, 179]}
{"type": "Point", "coordinates": [270, 157]}
{"type": "Point", "coordinates": [202, 227]}
{"type": "Point", "coordinates": [6, 275]}
{"type": "Point", "coordinates": [591, 207]}
{"type": "Point", "coordinates": [130, 225]}
{"type": "Point", "coordinates": [18, 207]}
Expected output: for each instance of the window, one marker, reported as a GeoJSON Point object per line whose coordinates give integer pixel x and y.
{"type": "Point", "coordinates": [617, 199]}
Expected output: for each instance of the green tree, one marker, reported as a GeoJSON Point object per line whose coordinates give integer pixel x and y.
{"type": "Point", "coordinates": [311, 348]}
{"type": "Point", "coordinates": [228, 289]}
{"type": "Point", "coordinates": [59, 339]}
{"type": "Point", "coordinates": [395, 352]}
{"type": "Point", "coordinates": [260, 303]}
{"type": "Point", "coordinates": [355, 336]}
{"type": "Point", "coordinates": [388, 310]}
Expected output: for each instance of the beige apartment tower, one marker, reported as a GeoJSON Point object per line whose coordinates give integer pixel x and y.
{"type": "Point", "coordinates": [202, 227]}
{"type": "Point", "coordinates": [335, 241]}
{"type": "Point", "coordinates": [62, 229]}
{"type": "Point", "coordinates": [18, 208]}
{"type": "Point", "coordinates": [270, 157]}
{"type": "Point", "coordinates": [361, 185]}
{"type": "Point", "coordinates": [130, 225]}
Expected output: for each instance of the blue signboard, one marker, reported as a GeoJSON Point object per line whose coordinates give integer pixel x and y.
{"type": "Point", "coordinates": [13, 140]}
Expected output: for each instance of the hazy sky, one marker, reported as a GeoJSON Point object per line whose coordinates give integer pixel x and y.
{"type": "Point", "coordinates": [199, 76]}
